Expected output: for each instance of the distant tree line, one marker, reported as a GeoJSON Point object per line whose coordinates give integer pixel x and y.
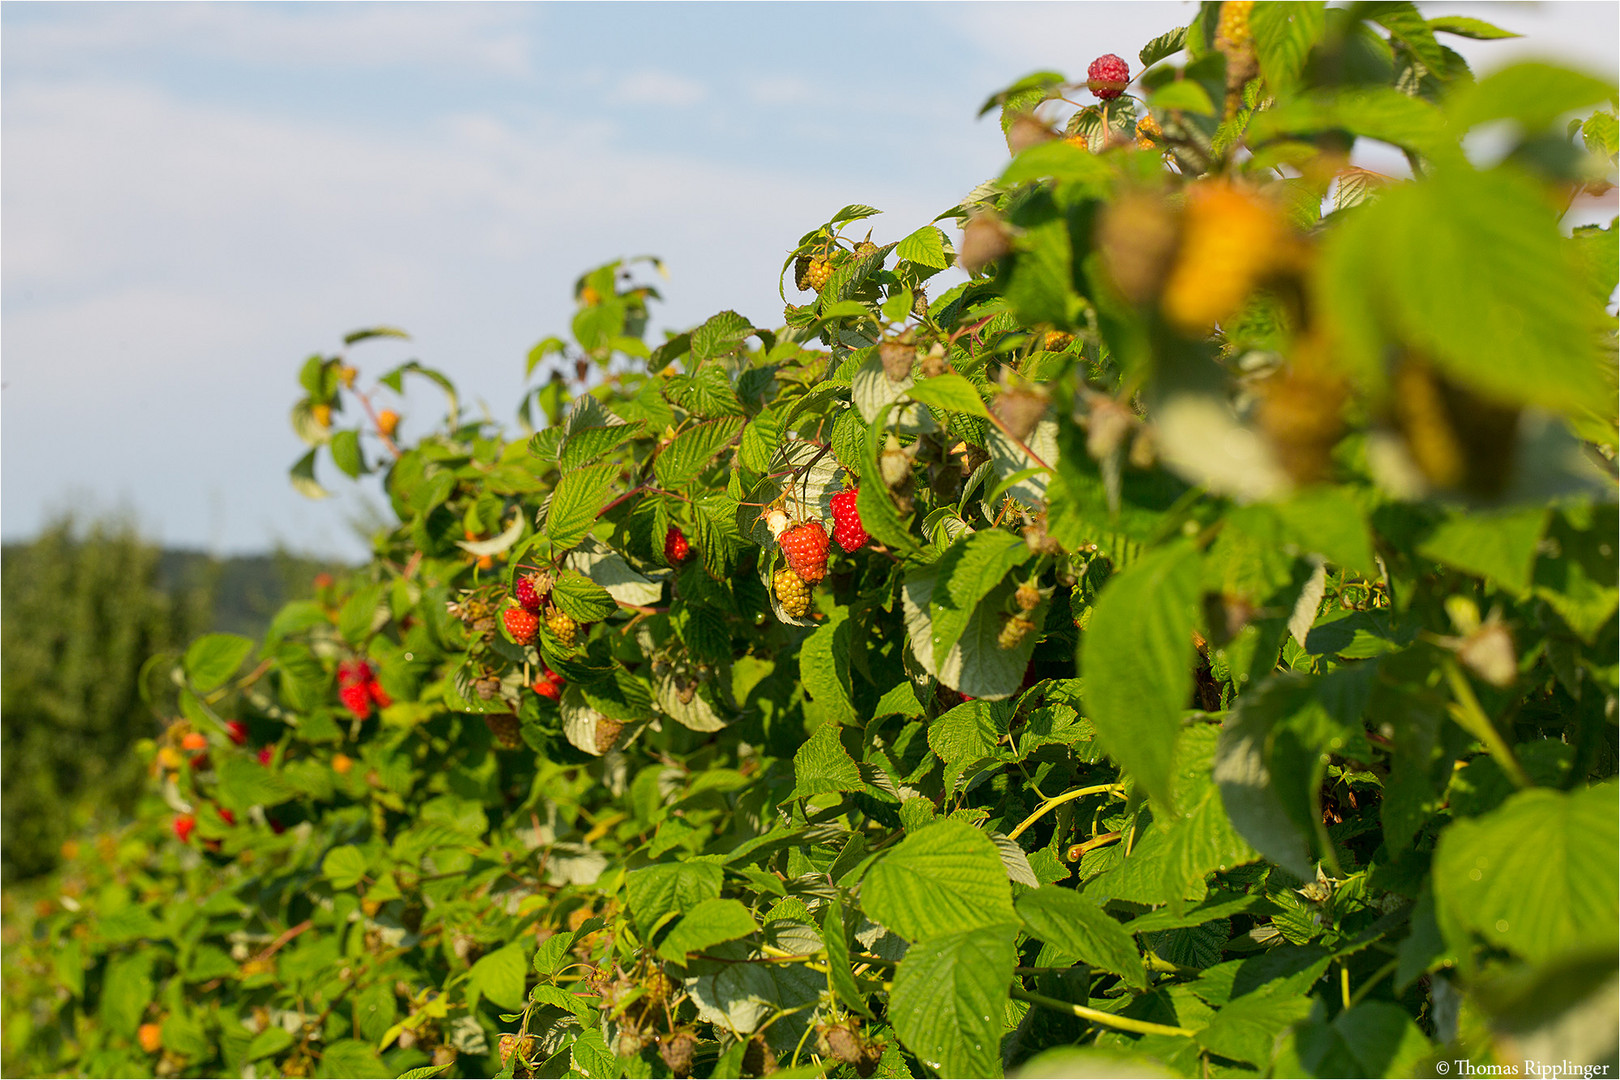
{"type": "Point", "coordinates": [82, 607]}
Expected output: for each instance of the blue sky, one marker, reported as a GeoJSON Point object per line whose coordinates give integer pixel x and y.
{"type": "Point", "coordinates": [197, 196]}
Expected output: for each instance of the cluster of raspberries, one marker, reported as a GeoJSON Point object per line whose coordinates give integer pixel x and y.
{"type": "Point", "coordinates": [359, 689]}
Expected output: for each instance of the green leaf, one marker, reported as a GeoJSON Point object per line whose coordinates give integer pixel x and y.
{"type": "Point", "coordinates": [352, 1058]}
{"type": "Point", "coordinates": [344, 867]}
{"type": "Point", "coordinates": [1184, 94]}
{"type": "Point", "coordinates": [1058, 160]}
{"type": "Point", "coordinates": [578, 498]}
{"type": "Point", "coordinates": [949, 996]}
{"type": "Point", "coordinates": [1501, 546]}
{"type": "Point", "coordinates": [1536, 876]}
{"type": "Point", "coordinates": [425, 1071]}
{"type": "Point", "coordinates": [1162, 46]}
{"type": "Point", "coordinates": [971, 568]}
{"type": "Point", "coordinates": [545, 348]}
{"type": "Point", "coordinates": [1376, 1038]}
{"type": "Point", "coordinates": [581, 598]}
{"type": "Point", "coordinates": [1463, 266]}
{"type": "Point", "coordinates": [1468, 27]}
{"type": "Point", "coordinates": [944, 878]}
{"type": "Point", "coordinates": [969, 735]}
{"type": "Point", "coordinates": [214, 658]}
{"type": "Point", "coordinates": [822, 766]}
{"type": "Point", "coordinates": [664, 888]}
{"type": "Point", "coordinates": [1380, 113]}
{"type": "Point", "coordinates": [500, 976]}
{"type": "Point", "coordinates": [1248, 1029]}
{"type": "Point", "coordinates": [243, 782]}
{"type": "Point", "coordinates": [824, 669]}
{"type": "Point", "coordinates": [1409, 28]}
{"type": "Point", "coordinates": [1039, 80]}
{"type": "Point", "coordinates": [346, 453]}
{"type": "Point", "coordinates": [125, 991]}
{"type": "Point", "coordinates": [1269, 764]}
{"type": "Point", "coordinates": [1531, 93]}
{"type": "Point", "coordinates": [1061, 917]}
{"type": "Point", "coordinates": [684, 458]}
{"type": "Point", "coordinates": [839, 979]}
{"type": "Point", "coordinates": [268, 1043]}
{"type": "Point", "coordinates": [356, 336]}
{"type": "Point", "coordinates": [592, 1057]}
{"type": "Point", "coordinates": [302, 475]}
{"type": "Point", "coordinates": [951, 392]}
{"type": "Point", "coordinates": [586, 444]}
{"type": "Point", "coordinates": [1136, 658]}
{"type": "Point", "coordinates": [1328, 522]}
{"type": "Point", "coordinates": [706, 393]}
{"type": "Point", "coordinates": [925, 247]}
{"type": "Point", "coordinates": [1284, 33]}
{"type": "Point", "coordinates": [721, 334]}
{"type": "Point", "coordinates": [359, 614]}
{"type": "Point", "coordinates": [709, 923]}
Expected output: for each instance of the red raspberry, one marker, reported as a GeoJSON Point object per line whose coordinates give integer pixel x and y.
{"type": "Point", "coordinates": [194, 740]}
{"type": "Point", "coordinates": [378, 694]}
{"type": "Point", "coordinates": [183, 826]}
{"type": "Point", "coordinates": [237, 731]}
{"type": "Point", "coordinates": [227, 817]}
{"type": "Point", "coordinates": [527, 594]}
{"type": "Point", "coordinates": [355, 697]}
{"type": "Point", "coordinates": [1108, 76]}
{"type": "Point", "coordinates": [805, 546]}
{"type": "Point", "coordinates": [549, 684]}
{"type": "Point", "coordinates": [847, 528]}
{"type": "Point", "coordinates": [676, 547]}
{"type": "Point", "coordinates": [267, 755]}
{"type": "Point", "coordinates": [520, 624]}
{"type": "Point", "coordinates": [277, 827]}
{"type": "Point", "coordinates": [353, 671]}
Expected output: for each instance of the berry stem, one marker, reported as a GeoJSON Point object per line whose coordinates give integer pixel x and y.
{"type": "Point", "coordinates": [365, 402]}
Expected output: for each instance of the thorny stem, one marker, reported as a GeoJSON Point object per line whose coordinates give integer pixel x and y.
{"type": "Point", "coordinates": [1058, 800]}
{"type": "Point", "coordinates": [1097, 1016]}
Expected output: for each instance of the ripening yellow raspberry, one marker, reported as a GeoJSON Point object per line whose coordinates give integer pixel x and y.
{"type": "Point", "coordinates": [792, 593]}
{"type": "Point", "coordinates": [819, 273]}
{"type": "Point", "coordinates": [1234, 31]}
{"type": "Point", "coordinates": [1078, 142]}
{"type": "Point", "coordinates": [388, 422]}
{"type": "Point", "coordinates": [323, 415]}
{"type": "Point", "coordinates": [1148, 133]}
{"type": "Point", "coordinates": [1231, 238]}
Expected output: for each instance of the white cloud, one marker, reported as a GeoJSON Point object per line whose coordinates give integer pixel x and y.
{"type": "Point", "coordinates": [781, 90]}
{"type": "Point", "coordinates": [167, 265]}
{"type": "Point", "coordinates": [660, 89]}
{"type": "Point", "coordinates": [454, 37]}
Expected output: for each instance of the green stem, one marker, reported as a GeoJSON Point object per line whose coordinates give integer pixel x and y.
{"type": "Point", "coordinates": [1059, 800]}
{"type": "Point", "coordinates": [1472, 719]}
{"type": "Point", "coordinates": [1097, 1016]}
{"type": "Point", "coordinates": [1373, 980]}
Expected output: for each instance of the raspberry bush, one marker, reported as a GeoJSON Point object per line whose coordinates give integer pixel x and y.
{"type": "Point", "coordinates": [1215, 673]}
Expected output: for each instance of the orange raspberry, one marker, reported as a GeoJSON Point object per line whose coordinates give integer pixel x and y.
{"type": "Point", "coordinates": [1231, 239]}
